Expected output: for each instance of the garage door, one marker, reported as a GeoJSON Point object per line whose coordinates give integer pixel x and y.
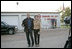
{"type": "Point", "coordinates": [10, 19]}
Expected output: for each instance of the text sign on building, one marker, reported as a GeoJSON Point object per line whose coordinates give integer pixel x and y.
{"type": "Point", "coordinates": [46, 20]}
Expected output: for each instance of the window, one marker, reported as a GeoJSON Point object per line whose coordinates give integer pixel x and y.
{"type": "Point", "coordinates": [56, 16]}
{"type": "Point", "coordinates": [52, 16]}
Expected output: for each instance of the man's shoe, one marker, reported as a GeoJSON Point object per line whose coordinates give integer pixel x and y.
{"type": "Point", "coordinates": [28, 45]}
{"type": "Point", "coordinates": [32, 45]}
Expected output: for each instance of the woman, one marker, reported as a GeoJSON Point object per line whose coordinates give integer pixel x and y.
{"type": "Point", "coordinates": [36, 29]}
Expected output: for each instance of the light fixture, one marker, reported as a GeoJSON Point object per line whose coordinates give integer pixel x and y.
{"type": "Point", "coordinates": [17, 3]}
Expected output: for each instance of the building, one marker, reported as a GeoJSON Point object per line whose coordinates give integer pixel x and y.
{"type": "Point", "coordinates": [16, 18]}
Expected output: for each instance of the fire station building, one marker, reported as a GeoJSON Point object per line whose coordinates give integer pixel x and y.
{"type": "Point", "coordinates": [16, 18]}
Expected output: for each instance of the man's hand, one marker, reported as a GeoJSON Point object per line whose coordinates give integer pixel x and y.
{"type": "Point", "coordinates": [22, 25]}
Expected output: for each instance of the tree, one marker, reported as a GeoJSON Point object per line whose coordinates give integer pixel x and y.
{"type": "Point", "coordinates": [65, 13]}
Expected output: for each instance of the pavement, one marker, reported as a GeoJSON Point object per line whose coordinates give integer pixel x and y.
{"type": "Point", "coordinates": [49, 38]}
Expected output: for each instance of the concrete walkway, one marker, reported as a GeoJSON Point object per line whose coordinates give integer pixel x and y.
{"type": "Point", "coordinates": [54, 38]}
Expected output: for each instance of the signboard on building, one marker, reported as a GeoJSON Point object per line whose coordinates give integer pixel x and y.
{"type": "Point", "coordinates": [46, 20]}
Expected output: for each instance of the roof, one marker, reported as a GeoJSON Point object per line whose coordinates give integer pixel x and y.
{"type": "Point", "coordinates": [27, 12]}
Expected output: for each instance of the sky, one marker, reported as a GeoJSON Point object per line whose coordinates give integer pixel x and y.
{"type": "Point", "coordinates": [33, 6]}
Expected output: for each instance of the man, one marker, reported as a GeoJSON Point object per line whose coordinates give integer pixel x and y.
{"type": "Point", "coordinates": [28, 27]}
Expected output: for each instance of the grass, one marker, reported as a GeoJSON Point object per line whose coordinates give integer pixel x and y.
{"type": "Point", "coordinates": [65, 26]}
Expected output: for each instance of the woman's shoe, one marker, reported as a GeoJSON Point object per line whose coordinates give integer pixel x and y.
{"type": "Point", "coordinates": [32, 45]}
{"type": "Point", "coordinates": [37, 45]}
